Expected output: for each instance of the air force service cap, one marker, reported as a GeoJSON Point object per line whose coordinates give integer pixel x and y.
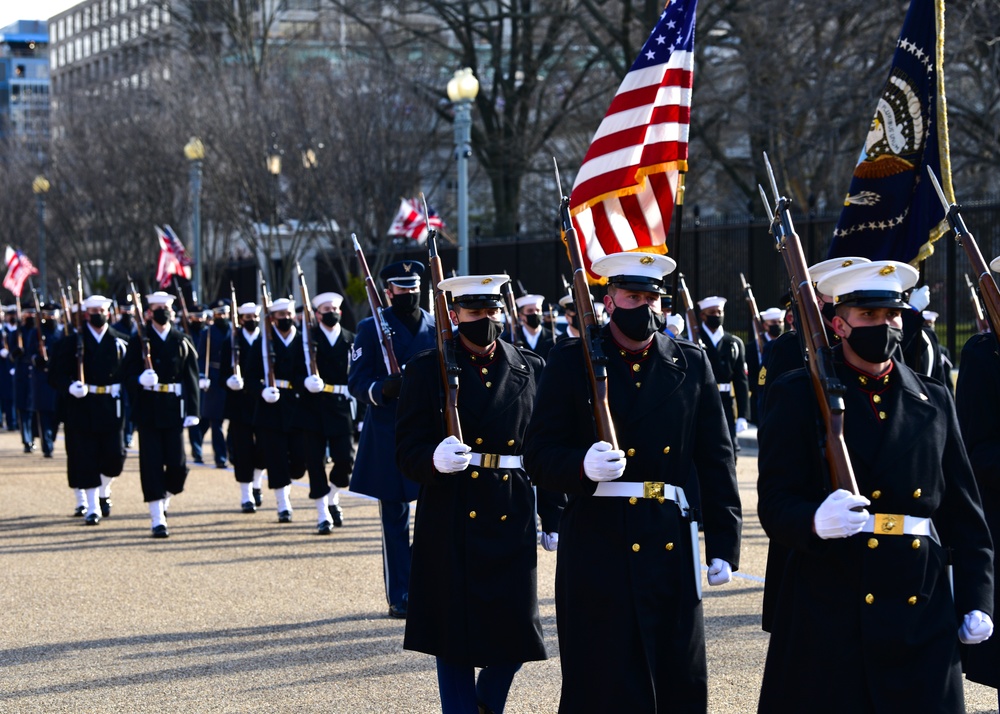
{"type": "Point", "coordinates": [475, 291]}
{"type": "Point", "coordinates": [644, 272]}
{"type": "Point", "coordinates": [875, 284]}
{"type": "Point", "coordinates": [403, 274]}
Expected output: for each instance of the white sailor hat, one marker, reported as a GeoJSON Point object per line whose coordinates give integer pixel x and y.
{"type": "Point", "coordinates": [773, 313]}
{"type": "Point", "coordinates": [675, 323]}
{"type": "Point", "coordinates": [566, 302]}
{"type": "Point", "coordinates": [929, 315]}
{"type": "Point", "coordinates": [160, 298]}
{"type": "Point", "coordinates": [873, 284]}
{"type": "Point", "coordinates": [282, 304]}
{"type": "Point", "coordinates": [323, 298]}
{"type": "Point", "coordinates": [10, 308]}
{"type": "Point", "coordinates": [526, 300]}
{"type": "Point", "coordinates": [635, 271]}
{"type": "Point", "coordinates": [713, 301]}
{"type": "Point", "coordinates": [475, 291]}
{"type": "Point", "coordinates": [97, 301]}
{"type": "Point", "coordinates": [821, 269]}
{"type": "Point", "coordinates": [995, 264]}
{"type": "Point", "coordinates": [248, 308]}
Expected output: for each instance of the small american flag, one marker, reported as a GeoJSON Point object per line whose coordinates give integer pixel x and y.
{"type": "Point", "coordinates": [623, 197]}
{"type": "Point", "coordinates": [19, 269]}
{"type": "Point", "coordinates": [409, 220]}
{"type": "Point", "coordinates": [174, 260]}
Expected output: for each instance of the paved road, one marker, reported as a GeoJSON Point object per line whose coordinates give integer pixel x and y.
{"type": "Point", "coordinates": [236, 613]}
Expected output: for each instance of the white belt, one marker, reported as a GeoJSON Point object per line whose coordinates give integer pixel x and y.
{"type": "Point", "coordinates": [336, 389]}
{"type": "Point", "coordinates": [727, 387]}
{"type": "Point", "coordinates": [165, 389]}
{"type": "Point", "coordinates": [892, 524]}
{"type": "Point", "coordinates": [282, 384]}
{"type": "Point", "coordinates": [495, 461]}
{"type": "Point", "coordinates": [637, 489]}
{"type": "Point", "coordinates": [113, 389]}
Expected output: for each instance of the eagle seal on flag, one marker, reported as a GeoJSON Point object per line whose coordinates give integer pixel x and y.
{"type": "Point", "coordinates": [897, 134]}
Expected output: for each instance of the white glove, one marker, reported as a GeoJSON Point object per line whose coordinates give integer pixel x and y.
{"type": "Point", "coordinates": [4, 352]}
{"type": "Point", "coordinates": [550, 541]}
{"type": "Point", "coordinates": [451, 456]}
{"type": "Point", "coordinates": [235, 383]}
{"type": "Point", "coordinates": [719, 572]}
{"type": "Point", "coordinates": [834, 517]}
{"type": "Point", "coordinates": [190, 421]}
{"type": "Point", "coordinates": [602, 463]}
{"type": "Point", "coordinates": [204, 383]}
{"type": "Point", "coordinates": [314, 383]}
{"type": "Point", "coordinates": [148, 378]}
{"type": "Point", "coordinates": [270, 394]}
{"type": "Point", "coordinates": [78, 389]}
{"type": "Point", "coordinates": [741, 425]}
{"type": "Point", "coordinates": [920, 298]}
{"type": "Point", "coordinates": [976, 627]}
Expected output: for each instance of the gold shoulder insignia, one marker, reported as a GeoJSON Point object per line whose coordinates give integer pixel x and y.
{"type": "Point", "coordinates": [762, 377]}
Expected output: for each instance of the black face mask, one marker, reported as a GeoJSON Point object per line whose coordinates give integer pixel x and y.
{"type": "Point", "coordinates": [29, 322]}
{"type": "Point", "coordinates": [829, 311]}
{"type": "Point", "coordinates": [127, 320]}
{"type": "Point", "coordinates": [638, 323]}
{"type": "Point", "coordinates": [406, 303]}
{"type": "Point", "coordinates": [222, 324]}
{"type": "Point", "coordinates": [713, 322]}
{"type": "Point", "coordinates": [160, 316]}
{"type": "Point", "coordinates": [533, 321]}
{"type": "Point", "coordinates": [284, 324]}
{"type": "Point", "coordinates": [874, 343]}
{"type": "Point", "coordinates": [196, 325]}
{"type": "Point", "coordinates": [249, 325]}
{"type": "Point", "coordinates": [481, 332]}
{"type": "Point", "coordinates": [330, 319]}
{"type": "Point", "coordinates": [774, 330]}
{"type": "Point", "coordinates": [97, 320]}
{"type": "Point", "coordinates": [49, 326]}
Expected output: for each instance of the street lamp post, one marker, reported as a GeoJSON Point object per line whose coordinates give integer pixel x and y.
{"type": "Point", "coordinates": [41, 187]}
{"type": "Point", "coordinates": [273, 168]}
{"type": "Point", "coordinates": [194, 150]}
{"type": "Point", "coordinates": [462, 91]}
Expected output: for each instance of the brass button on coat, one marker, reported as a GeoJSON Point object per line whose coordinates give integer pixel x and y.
{"type": "Point", "coordinates": [635, 547]}
{"type": "Point", "coordinates": [876, 398]}
{"type": "Point", "coordinates": [506, 477]}
{"type": "Point", "coordinates": [876, 494]}
{"type": "Point", "coordinates": [670, 546]}
{"type": "Point", "coordinates": [633, 500]}
{"type": "Point", "coordinates": [636, 368]}
{"type": "Point", "coordinates": [873, 543]}
{"type": "Point", "coordinates": [510, 442]}
{"type": "Point", "coordinates": [915, 544]}
{"type": "Point", "coordinates": [472, 514]}
{"type": "Point", "coordinates": [666, 449]}
{"type": "Point", "coordinates": [503, 517]}
{"type": "Point", "coordinates": [630, 452]}
{"type": "Point", "coordinates": [917, 493]}
{"type": "Point", "coordinates": [484, 370]}
{"type": "Point", "coordinates": [489, 384]}
{"type": "Point", "coordinates": [474, 474]}
{"type": "Point", "coordinates": [479, 440]}
{"type": "Point", "coordinates": [869, 598]}
{"type": "Point", "coordinates": [912, 600]}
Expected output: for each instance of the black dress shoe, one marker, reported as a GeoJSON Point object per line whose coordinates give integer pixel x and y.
{"type": "Point", "coordinates": [284, 516]}
{"type": "Point", "coordinates": [47, 454]}
{"type": "Point", "coordinates": [199, 460]}
{"type": "Point", "coordinates": [220, 464]}
{"type": "Point", "coordinates": [28, 448]}
{"type": "Point", "coordinates": [324, 528]}
{"type": "Point", "coordinates": [398, 611]}
{"type": "Point", "coordinates": [337, 514]}
{"type": "Point", "coordinates": [92, 519]}
{"type": "Point", "coordinates": [249, 507]}
{"type": "Point", "coordinates": [160, 532]}
{"type": "Point", "coordinates": [258, 497]}
{"type": "Point", "coordinates": [105, 506]}
{"type": "Point", "coordinates": [79, 512]}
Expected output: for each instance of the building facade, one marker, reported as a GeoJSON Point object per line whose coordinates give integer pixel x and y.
{"type": "Point", "coordinates": [24, 84]}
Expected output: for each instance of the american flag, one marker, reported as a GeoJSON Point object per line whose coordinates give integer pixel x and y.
{"type": "Point", "coordinates": [19, 269]}
{"type": "Point", "coordinates": [623, 196]}
{"type": "Point", "coordinates": [174, 260]}
{"type": "Point", "coordinates": [409, 220]}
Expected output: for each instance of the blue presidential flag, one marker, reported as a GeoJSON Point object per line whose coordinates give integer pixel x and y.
{"type": "Point", "coordinates": [891, 211]}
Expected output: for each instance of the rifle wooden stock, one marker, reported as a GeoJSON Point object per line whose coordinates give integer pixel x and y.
{"type": "Point", "coordinates": [267, 331]}
{"type": "Point", "coordinates": [445, 342]}
{"type": "Point", "coordinates": [307, 322]}
{"type": "Point", "coordinates": [377, 305]}
{"type": "Point", "coordinates": [690, 313]}
{"type": "Point", "coordinates": [756, 323]}
{"type": "Point", "coordinates": [593, 352]}
{"type": "Point", "coordinates": [511, 308]}
{"type": "Point", "coordinates": [140, 322]}
{"type": "Point", "coordinates": [984, 278]}
{"type": "Point", "coordinates": [234, 342]}
{"type": "Point", "coordinates": [982, 324]}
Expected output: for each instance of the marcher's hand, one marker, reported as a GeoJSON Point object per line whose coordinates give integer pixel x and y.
{"type": "Point", "coordinates": [391, 386]}
{"type": "Point", "coordinates": [452, 456]}
{"type": "Point", "coordinates": [235, 383]}
{"type": "Point", "coordinates": [834, 517]}
{"type": "Point", "coordinates": [550, 541]}
{"type": "Point", "coordinates": [270, 394]}
{"type": "Point", "coordinates": [741, 425]}
{"type": "Point", "coordinates": [314, 383]}
{"type": "Point", "coordinates": [920, 298]}
{"type": "Point", "coordinates": [719, 572]}
{"type": "Point", "coordinates": [78, 389]}
{"type": "Point", "coordinates": [148, 378]}
{"type": "Point", "coordinates": [190, 421]}
{"type": "Point", "coordinates": [602, 463]}
{"type": "Point", "coordinates": [204, 383]}
{"type": "Point", "coordinates": [976, 627]}
{"type": "Point", "coordinates": [4, 352]}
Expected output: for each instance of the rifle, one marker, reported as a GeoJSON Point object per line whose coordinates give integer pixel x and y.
{"type": "Point", "coordinates": [308, 318]}
{"type": "Point", "coordinates": [43, 352]}
{"type": "Point", "coordinates": [690, 314]}
{"type": "Point", "coordinates": [140, 322]}
{"type": "Point", "coordinates": [510, 307]}
{"type": "Point", "coordinates": [184, 309]}
{"type": "Point", "coordinates": [756, 323]}
{"type": "Point", "coordinates": [445, 339]}
{"type": "Point", "coordinates": [987, 285]}
{"type": "Point", "coordinates": [234, 343]}
{"type": "Point", "coordinates": [827, 386]}
{"type": "Point", "coordinates": [593, 353]}
{"type": "Point", "coordinates": [982, 324]}
{"type": "Point", "coordinates": [267, 331]}
{"type": "Point", "coordinates": [64, 302]}
{"type": "Point", "coordinates": [79, 297]}
{"type": "Point", "coordinates": [378, 306]}
{"type": "Point", "coordinates": [20, 326]}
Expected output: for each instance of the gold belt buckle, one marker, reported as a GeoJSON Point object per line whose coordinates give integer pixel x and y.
{"type": "Point", "coordinates": [102, 390]}
{"type": "Point", "coordinates": [491, 461]}
{"type": "Point", "coordinates": [889, 523]}
{"type": "Point", "coordinates": [652, 489]}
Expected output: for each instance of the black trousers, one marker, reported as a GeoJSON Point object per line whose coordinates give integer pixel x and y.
{"type": "Point", "coordinates": [284, 456]}
{"type": "Point", "coordinates": [162, 466]}
{"type": "Point", "coordinates": [91, 453]}
{"type": "Point", "coordinates": [341, 450]}
{"type": "Point", "coordinates": [245, 450]}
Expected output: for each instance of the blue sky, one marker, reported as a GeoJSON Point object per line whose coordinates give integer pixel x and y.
{"type": "Point", "coordinates": [14, 10]}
